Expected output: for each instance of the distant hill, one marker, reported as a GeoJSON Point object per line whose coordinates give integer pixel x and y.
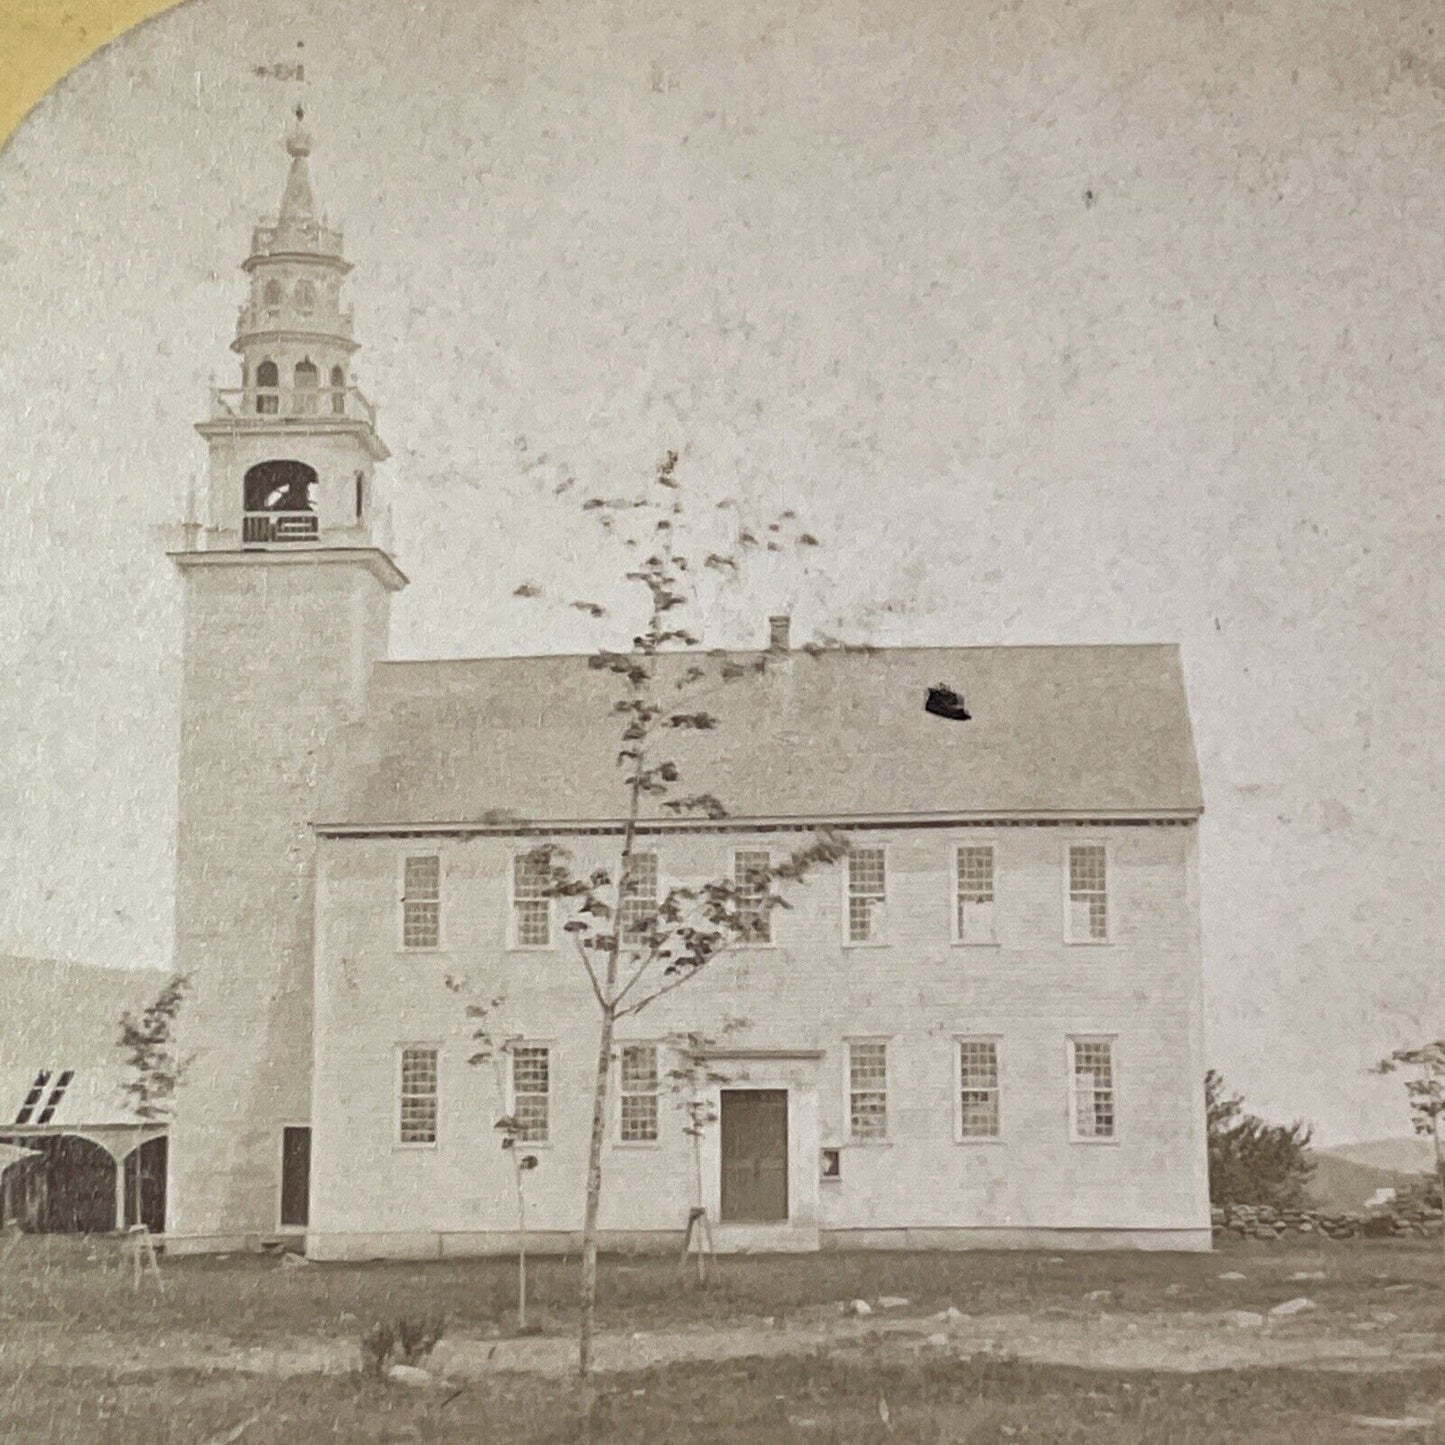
{"type": "Point", "coordinates": [1345, 1187]}
{"type": "Point", "coordinates": [1409, 1153]}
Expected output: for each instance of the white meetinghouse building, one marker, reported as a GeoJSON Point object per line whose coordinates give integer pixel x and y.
{"type": "Point", "coordinates": [983, 1028]}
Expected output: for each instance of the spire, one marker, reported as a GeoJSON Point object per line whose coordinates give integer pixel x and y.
{"type": "Point", "coordinates": [297, 203]}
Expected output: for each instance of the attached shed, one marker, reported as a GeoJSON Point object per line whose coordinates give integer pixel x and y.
{"type": "Point", "coordinates": [91, 1165]}
{"type": "Point", "coordinates": [86, 1164]}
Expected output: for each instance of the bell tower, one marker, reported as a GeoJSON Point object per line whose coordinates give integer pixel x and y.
{"type": "Point", "coordinates": [287, 593]}
{"type": "Point", "coordinates": [294, 447]}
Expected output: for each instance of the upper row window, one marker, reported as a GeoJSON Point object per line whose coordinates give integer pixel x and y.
{"type": "Point", "coordinates": [1086, 915]}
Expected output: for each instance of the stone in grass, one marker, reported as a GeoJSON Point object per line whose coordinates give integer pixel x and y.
{"type": "Point", "coordinates": [1292, 1307]}
{"type": "Point", "coordinates": [1100, 1294]}
{"type": "Point", "coordinates": [1233, 1274]}
{"type": "Point", "coordinates": [938, 1340]}
{"type": "Point", "coordinates": [858, 1307]}
{"type": "Point", "coordinates": [408, 1375]}
{"type": "Point", "coordinates": [951, 1315]}
{"type": "Point", "coordinates": [892, 1302]}
{"type": "Point", "coordinates": [1243, 1319]}
{"type": "Point", "coordinates": [1304, 1274]}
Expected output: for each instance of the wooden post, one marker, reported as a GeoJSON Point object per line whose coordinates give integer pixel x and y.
{"type": "Point", "coordinates": [119, 1193]}
{"type": "Point", "coordinates": [697, 1238]}
{"type": "Point", "coordinates": [143, 1254]}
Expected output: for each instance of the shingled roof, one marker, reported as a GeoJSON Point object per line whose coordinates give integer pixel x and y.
{"type": "Point", "coordinates": [1055, 731]}
{"type": "Point", "coordinates": [59, 1041]}
{"type": "Point", "coordinates": [54, 1099]}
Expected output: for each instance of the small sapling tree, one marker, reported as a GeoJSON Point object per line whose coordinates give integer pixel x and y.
{"type": "Point", "coordinates": [1424, 1068]}
{"type": "Point", "coordinates": [154, 1068]}
{"type": "Point", "coordinates": [633, 947]}
{"type": "Point", "coordinates": [148, 1042]}
{"type": "Point", "coordinates": [691, 1083]}
{"type": "Point", "coordinates": [514, 1133]}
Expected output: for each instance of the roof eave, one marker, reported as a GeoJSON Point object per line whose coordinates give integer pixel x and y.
{"type": "Point", "coordinates": [527, 826]}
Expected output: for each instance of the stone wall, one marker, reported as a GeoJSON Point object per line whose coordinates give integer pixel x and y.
{"type": "Point", "coordinates": [1414, 1213]}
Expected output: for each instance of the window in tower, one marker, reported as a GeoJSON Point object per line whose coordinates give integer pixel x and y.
{"type": "Point", "coordinates": [338, 400]}
{"type": "Point", "coordinates": [360, 494]}
{"type": "Point", "coordinates": [268, 379]}
{"type": "Point", "coordinates": [308, 379]}
{"type": "Point", "coordinates": [272, 295]}
{"type": "Point", "coordinates": [280, 486]}
{"type": "Point", "coordinates": [305, 296]}
{"type": "Point", "coordinates": [280, 498]}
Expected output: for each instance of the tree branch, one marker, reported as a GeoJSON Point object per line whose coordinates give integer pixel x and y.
{"type": "Point", "coordinates": [591, 972]}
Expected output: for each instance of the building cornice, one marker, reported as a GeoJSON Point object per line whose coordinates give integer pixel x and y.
{"type": "Point", "coordinates": [269, 424]}
{"type": "Point", "coordinates": [377, 562]}
{"type": "Point", "coordinates": [315, 258]}
{"type": "Point", "coordinates": [555, 827]}
{"type": "Point", "coordinates": [288, 333]}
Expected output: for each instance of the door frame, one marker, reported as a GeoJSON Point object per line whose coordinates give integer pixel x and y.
{"type": "Point", "coordinates": [281, 1173]}
{"type": "Point", "coordinates": [787, 1104]}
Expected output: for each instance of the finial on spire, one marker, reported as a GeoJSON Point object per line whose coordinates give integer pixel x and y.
{"type": "Point", "coordinates": [298, 138]}
{"type": "Point", "coordinates": [297, 203]}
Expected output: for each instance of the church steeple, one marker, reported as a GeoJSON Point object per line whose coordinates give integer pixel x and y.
{"type": "Point", "coordinates": [286, 590]}
{"type": "Point", "coordinates": [294, 447]}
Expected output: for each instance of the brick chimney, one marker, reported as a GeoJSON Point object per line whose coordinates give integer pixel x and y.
{"type": "Point", "coordinates": [778, 633]}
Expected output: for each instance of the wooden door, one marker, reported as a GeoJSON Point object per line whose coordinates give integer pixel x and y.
{"type": "Point", "coordinates": [295, 1176]}
{"type": "Point", "coordinates": [754, 1155]}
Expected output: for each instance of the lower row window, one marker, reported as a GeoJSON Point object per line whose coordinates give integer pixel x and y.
{"type": "Point", "coordinates": [418, 1112]}
{"type": "Point", "coordinates": [1093, 1088]}
{"type": "Point", "coordinates": [976, 1094]}
{"type": "Point", "coordinates": [1092, 1113]}
{"type": "Point", "coordinates": [638, 1088]}
{"type": "Point", "coordinates": [532, 1091]}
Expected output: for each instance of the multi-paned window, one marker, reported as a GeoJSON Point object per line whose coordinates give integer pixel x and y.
{"type": "Point", "coordinates": [1092, 1068]}
{"type": "Point", "coordinates": [531, 907]}
{"type": "Point", "coordinates": [638, 1094]}
{"type": "Point", "coordinates": [978, 1116]}
{"type": "Point", "coordinates": [639, 898]}
{"type": "Point", "coordinates": [973, 890]}
{"type": "Point", "coordinates": [868, 1089]}
{"type": "Point", "coordinates": [417, 1111]}
{"type": "Point", "coordinates": [1088, 893]}
{"type": "Point", "coordinates": [867, 891]}
{"type": "Point", "coordinates": [421, 902]}
{"type": "Point", "coordinates": [532, 1091]}
{"type": "Point", "coordinates": [750, 876]}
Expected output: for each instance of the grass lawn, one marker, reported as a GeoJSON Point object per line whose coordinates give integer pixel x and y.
{"type": "Point", "coordinates": [72, 1295]}
{"type": "Point", "coordinates": [253, 1299]}
{"type": "Point", "coordinates": [822, 1400]}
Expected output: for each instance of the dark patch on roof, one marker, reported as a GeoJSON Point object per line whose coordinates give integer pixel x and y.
{"type": "Point", "coordinates": [943, 701]}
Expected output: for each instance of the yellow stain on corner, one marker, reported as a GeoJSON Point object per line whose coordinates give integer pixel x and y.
{"type": "Point", "coordinates": [43, 40]}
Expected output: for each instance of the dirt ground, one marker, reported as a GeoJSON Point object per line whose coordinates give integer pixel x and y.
{"type": "Point", "coordinates": [1339, 1334]}
{"type": "Point", "coordinates": [1088, 1349]}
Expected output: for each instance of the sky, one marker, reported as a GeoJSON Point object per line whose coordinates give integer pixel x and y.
{"type": "Point", "coordinates": [1058, 320]}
